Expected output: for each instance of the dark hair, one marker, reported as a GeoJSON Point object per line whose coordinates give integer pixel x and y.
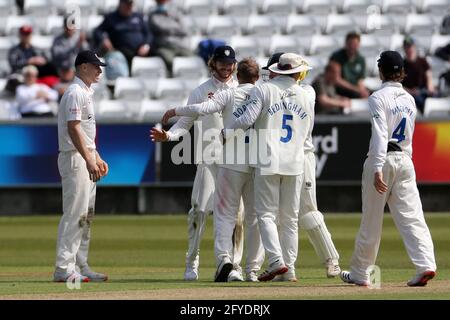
{"type": "Point", "coordinates": [395, 76]}
{"type": "Point", "coordinates": [248, 70]}
{"type": "Point", "coordinates": [352, 35]}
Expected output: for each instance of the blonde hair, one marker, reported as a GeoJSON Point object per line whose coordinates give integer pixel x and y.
{"type": "Point", "coordinates": [30, 69]}
{"type": "Point", "coordinates": [212, 65]}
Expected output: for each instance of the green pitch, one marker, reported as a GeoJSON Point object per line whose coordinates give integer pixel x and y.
{"type": "Point", "coordinates": [144, 258]}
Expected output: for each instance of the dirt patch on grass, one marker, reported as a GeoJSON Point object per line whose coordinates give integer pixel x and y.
{"type": "Point", "coordinates": [257, 292]}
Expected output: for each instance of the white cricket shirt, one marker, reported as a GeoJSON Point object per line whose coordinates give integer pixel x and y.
{"type": "Point", "coordinates": [76, 104]}
{"type": "Point", "coordinates": [393, 114]}
{"type": "Point", "coordinates": [229, 103]}
{"type": "Point", "coordinates": [279, 110]}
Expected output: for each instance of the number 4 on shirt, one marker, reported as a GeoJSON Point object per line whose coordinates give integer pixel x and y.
{"type": "Point", "coordinates": [399, 132]}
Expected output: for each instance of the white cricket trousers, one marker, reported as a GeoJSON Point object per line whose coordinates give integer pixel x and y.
{"type": "Point", "coordinates": [202, 203]}
{"type": "Point", "coordinates": [232, 186]}
{"type": "Point", "coordinates": [406, 209]}
{"type": "Point", "coordinates": [78, 211]}
{"type": "Point", "coordinates": [278, 196]}
{"type": "Point", "coordinates": [308, 201]}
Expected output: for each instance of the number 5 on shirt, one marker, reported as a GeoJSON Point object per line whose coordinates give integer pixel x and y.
{"type": "Point", "coordinates": [287, 127]}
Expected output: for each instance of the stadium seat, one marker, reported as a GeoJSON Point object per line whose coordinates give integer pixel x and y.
{"type": "Point", "coordinates": [377, 24]}
{"type": "Point", "coordinates": [54, 25]}
{"type": "Point", "coordinates": [245, 46]}
{"type": "Point", "coordinates": [396, 42]}
{"type": "Point", "coordinates": [13, 24]}
{"type": "Point", "coordinates": [318, 64]}
{"type": "Point", "coordinates": [355, 6]}
{"type": "Point", "coordinates": [170, 89]}
{"type": "Point", "coordinates": [222, 27]}
{"type": "Point", "coordinates": [85, 6]}
{"type": "Point", "coordinates": [148, 67]}
{"type": "Point", "coordinates": [200, 7]}
{"type": "Point", "coordinates": [261, 25]}
{"type": "Point", "coordinates": [93, 21]}
{"type": "Point", "coordinates": [318, 6]}
{"type": "Point", "coordinates": [238, 7]}
{"type": "Point", "coordinates": [420, 24]}
{"type": "Point", "coordinates": [434, 6]}
{"type": "Point", "coordinates": [301, 25]}
{"type": "Point", "coordinates": [397, 6]}
{"type": "Point", "coordinates": [5, 44]}
{"type": "Point", "coordinates": [323, 44]}
{"type": "Point", "coordinates": [39, 8]}
{"type": "Point", "coordinates": [8, 8]}
{"type": "Point", "coordinates": [283, 43]}
{"type": "Point", "coordinates": [113, 109]}
{"type": "Point", "coordinates": [129, 89]}
{"type": "Point", "coordinates": [277, 7]}
{"type": "Point", "coordinates": [437, 107]}
{"type": "Point", "coordinates": [340, 24]}
{"type": "Point", "coordinates": [359, 108]}
{"type": "Point", "coordinates": [152, 110]}
{"type": "Point", "coordinates": [372, 65]}
{"type": "Point", "coordinates": [371, 46]}
{"type": "Point", "coordinates": [42, 42]}
{"type": "Point", "coordinates": [189, 67]}
{"type": "Point", "coordinates": [108, 6]}
{"type": "Point", "coordinates": [438, 41]}
{"type": "Point", "coordinates": [5, 69]}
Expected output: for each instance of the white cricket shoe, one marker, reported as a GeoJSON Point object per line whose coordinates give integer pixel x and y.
{"type": "Point", "coordinates": [421, 279]}
{"type": "Point", "coordinates": [191, 271]}
{"type": "Point", "coordinates": [223, 270]}
{"type": "Point", "coordinates": [235, 275]}
{"type": "Point", "coordinates": [275, 269]}
{"type": "Point", "coordinates": [347, 278]}
{"type": "Point", "coordinates": [286, 277]}
{"type": "Point", "coordinates": [251, 276]}
{"type": "Point", "coordinates": [92, 275]}
{"type": "Point", "coordinates": [333, 268]}
{"type": "Point", "coordinates": [62, 275]}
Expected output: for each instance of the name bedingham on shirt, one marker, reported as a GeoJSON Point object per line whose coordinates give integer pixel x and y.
{"type": "Point", "coordinates": [393, 114]}
{"type": "Point", "coordinates": [76, 104]}
{"type": "Point", "coordinates": [281, 109]}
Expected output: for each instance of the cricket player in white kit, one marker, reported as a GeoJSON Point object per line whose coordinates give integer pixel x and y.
{"type": "Point", "coordinates": [389, 177]}
{"type": "Point", "coordinates": [80, 167]}
{"type": "Point", "coordinates": [234, 177]}
{"type": "Point", "coordinates": [310, 218]}
{"type": "Point", "coordinates": [278, 110]}
{"type": "Point", "coordinates": [222, 65]}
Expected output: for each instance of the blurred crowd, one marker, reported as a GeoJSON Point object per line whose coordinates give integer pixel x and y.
{"type": "Point", "coordinates": [38, 80]}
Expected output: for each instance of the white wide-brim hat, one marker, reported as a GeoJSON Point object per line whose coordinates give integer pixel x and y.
{"type": "Point", "coordinates": [290, 63]}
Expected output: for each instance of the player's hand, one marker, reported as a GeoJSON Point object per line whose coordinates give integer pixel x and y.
{"type": "Point", "coordinates": [107, 44]}
{"type": "Point", "coordinates": [93, 169]}
{"type": "Point", "coordinates": [169, 114]}
{"type": "Point", "coordinates": [143, 50]}
{"type": "Point", "coordinates": [158, 135]}
{"type": "Point", "coordinates": [379, 184]}
{"type": "Point", "coordinates": [104, 169]}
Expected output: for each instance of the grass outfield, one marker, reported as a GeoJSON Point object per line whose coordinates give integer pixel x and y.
{"type": "Point", "coordinates": [144, 258]}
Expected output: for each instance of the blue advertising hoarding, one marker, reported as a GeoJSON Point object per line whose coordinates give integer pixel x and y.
{"type": "Point", "coordinates": [29, 153]}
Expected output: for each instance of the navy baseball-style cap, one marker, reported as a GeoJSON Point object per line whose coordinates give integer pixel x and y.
{"type": "Point", "coordinates": [390, 62]}
{"type": "Point", "coordinates": [225, 54]}
{"type": "Point", "coordinates": [88, 56]}
{"type": "Point", "coordinates": [275, 58]}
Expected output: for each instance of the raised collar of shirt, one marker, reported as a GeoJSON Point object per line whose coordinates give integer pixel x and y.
{"type": "Point", "coordinates": [285, 78]}
{"type": "Point", "coordinates": [219, 84]}
{"type": "Point", "coordinates": [246, 85]}
{"type": "Point", "coordinates": [83, 85]}
{"type": "Point", "coordinates": [391, 84]}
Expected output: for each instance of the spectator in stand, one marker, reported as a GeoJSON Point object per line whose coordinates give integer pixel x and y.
{"type": "Point", "coordinates": [25, 54]}
{"type": "Point", "coordinates": [327, 100]}
{"type": "Point", "coordinates": [66, 73]}
{"type": "Point", "coordinates": [353, 67]}
{"type": "Point", "coordinates": [67, 45]}
{"type": "Point", "coordinates": [32, 98]}
{"type": "Point", "coordinates": [170, 34]}
{"type": "Point", "coordinates": [418, 81]}
{"type": "Point", "coordinates": [126, 31]}
{"type": "Point", "coordinates": [444, 77]}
